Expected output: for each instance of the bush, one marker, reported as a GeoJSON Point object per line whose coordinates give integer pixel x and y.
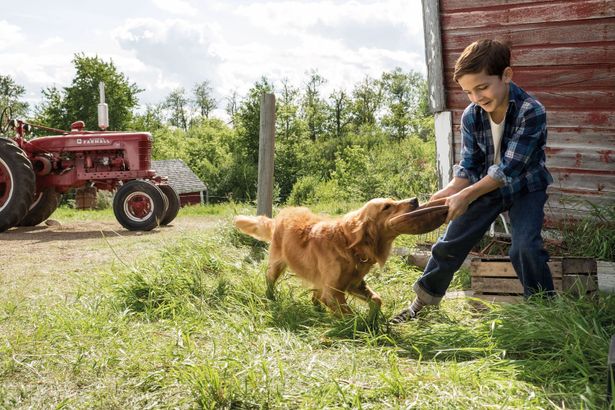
{"type": "Point", "coordinates": [399, 170]}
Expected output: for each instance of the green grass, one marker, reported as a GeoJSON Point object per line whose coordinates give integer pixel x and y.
{"type": "Point", "coordinates": [67, 213]}
{"type": "Point", "coordinates": [192, 328]}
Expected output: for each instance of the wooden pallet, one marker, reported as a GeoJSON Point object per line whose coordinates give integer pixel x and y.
{"type": "Point", "coordinates": [494, 278]}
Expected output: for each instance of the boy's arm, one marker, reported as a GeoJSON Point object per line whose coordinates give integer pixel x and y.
{"type": "Point", "coordinates": [458, 203]}
{"type": "Point", "coordinates": [456, 185]}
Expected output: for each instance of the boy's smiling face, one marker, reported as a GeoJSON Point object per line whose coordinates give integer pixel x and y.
{"type": "Point", "coordinates": [490, 92]}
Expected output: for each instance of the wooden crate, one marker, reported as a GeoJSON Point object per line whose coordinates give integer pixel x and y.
{"type": "Point", "coordinates": [494, 278]}
{"type": "Point", "coordinates": [86, 198]}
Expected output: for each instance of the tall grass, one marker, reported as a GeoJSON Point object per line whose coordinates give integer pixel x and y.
{"type": "Point", "coordinates": [192, 328]}
{"type": "Point", "coordinates": [594, 235]}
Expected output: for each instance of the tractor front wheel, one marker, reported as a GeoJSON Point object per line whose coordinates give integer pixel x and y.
{"type": "Point", "coordinates": [174, 203]}
{"type": "Point", "coordinates": [45, 203]}
{"type": "Point", "coordinates": [16, 184]}
{"type": "Point", "coordinates": [139, 206]}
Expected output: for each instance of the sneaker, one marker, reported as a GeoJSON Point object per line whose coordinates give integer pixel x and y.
{"type": "Point", "coordinates": [404, 316]}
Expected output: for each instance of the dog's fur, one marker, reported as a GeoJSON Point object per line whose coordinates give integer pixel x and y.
{"type": "Point", "coordinates": [334, 255]}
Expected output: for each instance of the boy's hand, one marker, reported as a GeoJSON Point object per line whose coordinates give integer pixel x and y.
{"type": "Point", "coordinates": [457, 206]}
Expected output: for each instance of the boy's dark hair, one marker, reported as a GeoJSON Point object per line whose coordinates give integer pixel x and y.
{"type": "Point", "coordinates": [490, 55]}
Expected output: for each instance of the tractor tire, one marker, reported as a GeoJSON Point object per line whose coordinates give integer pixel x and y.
{"type": "Point", "coordinates": [138, 205]}
{"type": "Point", "coordinates": [174, 203]}
{"type": "Point", "coordinates": [45, 203]}
{"type": "Point", "coordinates": [16, 184]}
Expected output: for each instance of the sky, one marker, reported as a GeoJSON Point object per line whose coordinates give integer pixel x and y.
{"type": "Point", "coordinates": [162, 45]}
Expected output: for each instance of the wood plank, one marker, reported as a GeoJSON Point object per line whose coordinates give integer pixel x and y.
{"type": "Point", "coordinates": [551, 56]}
{"type": "Point", "coordinates": [433, 52]}
{"type": "Point", "coordinates": [558, 78]}
{"type": "Point", "coordinates": [535, 13]}
{"type": "Point", "coordinates": [504, 269]}
{"type": "Point", "coordinates": [538, 34]}
{"type": "Point", "coordinates": [606, 276]}
{"type": "Point", "coordinates": [504, 285]}
{"type": "Point", "coordinates": [572, 181]}
{"type": "Point", "coordinates": [565, 147]}
{"type": "Point", "coordinates": [457, 5]}
{"type": "Point", "coordinates": [580, 284]}
{"type": "Point", "coordinates": [581, 139]}
{"type": "Point", "coordinates": [602, 162]}
{"type": "Point", "coordinates": [564, 118]}
{"type": "Point", "coordinates": [578, 266]}
{"type": "Point", "coordinates": [586, 99]}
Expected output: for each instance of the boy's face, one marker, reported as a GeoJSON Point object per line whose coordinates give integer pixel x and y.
{"type": "Point", "coordinates": [488, 91]}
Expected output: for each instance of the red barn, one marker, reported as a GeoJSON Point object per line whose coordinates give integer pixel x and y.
{"type": "Point", "coordinates": [563, 53]}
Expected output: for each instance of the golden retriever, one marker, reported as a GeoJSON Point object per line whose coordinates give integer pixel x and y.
{"type": "Point", "coordinates": [334, 255]}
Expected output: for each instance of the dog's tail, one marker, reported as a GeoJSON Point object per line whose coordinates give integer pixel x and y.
{"type": "Point", "coordinates": [259, 227]}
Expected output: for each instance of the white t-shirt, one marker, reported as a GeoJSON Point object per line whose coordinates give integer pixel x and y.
{"type": "Point", "coordinates": [497, 130]}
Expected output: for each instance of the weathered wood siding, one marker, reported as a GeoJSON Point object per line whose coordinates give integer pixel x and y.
{"type": "Point", "coordinates": [563, 53]}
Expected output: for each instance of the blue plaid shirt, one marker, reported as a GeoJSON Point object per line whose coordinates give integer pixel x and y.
{"type": "Point", "coordinates": [522, 164]}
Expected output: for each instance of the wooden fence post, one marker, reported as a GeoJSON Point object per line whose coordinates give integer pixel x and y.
{"type": "Point", "coordinates": [266, 144]}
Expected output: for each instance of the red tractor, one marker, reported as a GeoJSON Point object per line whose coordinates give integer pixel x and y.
{"type": "Point", "coordinates": [35, 173]}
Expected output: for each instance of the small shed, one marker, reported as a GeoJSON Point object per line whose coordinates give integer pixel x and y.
{"type": "Point", "coordinates": [563, 53]}
{"type": "Point", "coordinates": [190, 188]}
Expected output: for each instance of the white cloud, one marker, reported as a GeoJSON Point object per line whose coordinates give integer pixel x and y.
{"type": "Point", "coordinates": [179, 52]}
{"type": "Point", "coordinates": [165, 44]}
{"type": "Point", "coordinates": [10, 35]}
{"type": "Point", "coordinates": [179, 7]}
{"type": "Point", "coordinates": [286, 17]}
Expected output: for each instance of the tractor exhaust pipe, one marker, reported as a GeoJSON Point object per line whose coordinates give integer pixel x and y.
{"type": "Point", "coordinates": [103, 109]}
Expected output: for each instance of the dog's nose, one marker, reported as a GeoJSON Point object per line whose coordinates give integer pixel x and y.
{"type": "Point", "coordinates": [414, 202]}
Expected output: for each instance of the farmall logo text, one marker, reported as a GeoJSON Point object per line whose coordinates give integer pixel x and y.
{"type": "Point", "coordinates": [92, 141]}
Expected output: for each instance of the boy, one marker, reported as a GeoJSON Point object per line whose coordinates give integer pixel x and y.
{"type": "Point", "coordinates": [502, 168]}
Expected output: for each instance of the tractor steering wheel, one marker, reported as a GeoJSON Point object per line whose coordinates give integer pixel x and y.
{"type": "Point", "coordinates": [5, 119]}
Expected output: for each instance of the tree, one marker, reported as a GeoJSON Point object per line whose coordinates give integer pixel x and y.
{"type": "Point", "coordinates": [80, 100]}
{"type": "Point", "coordinates": [151, 120]}
{"type": "Point", "coordinates": [339, 113]}
{"type": "Point", "coordinates": [11, 94]}
{"type": "Point", "coordinates": [367, 100]}
{"type": "Point", "coordinates": [245, 144]}
{"type": "Point", "coordinates": [204, 101]}
{"type": "Point", "coordinates": [313, 107]}
{"type": "Point", "coordinates": [53, 111]}
{"type": "Point", "coordinates": [403, 95]}
{"type": "Point", "coordinates": [286, 112]}
{"type": "Point", "coordinates": [231, 106]}
{"type": "Point", "coordinates": [177, 105]}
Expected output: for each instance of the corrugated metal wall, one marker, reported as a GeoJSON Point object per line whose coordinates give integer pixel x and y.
{"type": "Point", "coordinates": [563, 53]}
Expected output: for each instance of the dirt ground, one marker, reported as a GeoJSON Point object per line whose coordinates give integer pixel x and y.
{"type": "Point", "coordinates": [42, 259]}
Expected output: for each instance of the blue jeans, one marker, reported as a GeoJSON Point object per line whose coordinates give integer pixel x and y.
{"type": "Point", "coordinates": [527, 254]}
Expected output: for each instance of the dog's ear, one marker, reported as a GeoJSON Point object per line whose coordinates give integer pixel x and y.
{"type": "Point", "coordinates": [361, 233]}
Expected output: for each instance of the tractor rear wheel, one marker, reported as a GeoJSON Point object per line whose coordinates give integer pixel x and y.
{"type": "Point", "coordinates": [174, 203]}
{"type": "Point", "coordinates": [45, 203]}
{"type": "Point", "coordinates": [138, 205]}
{"type": "Point", "coordinates": [16, 184]}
